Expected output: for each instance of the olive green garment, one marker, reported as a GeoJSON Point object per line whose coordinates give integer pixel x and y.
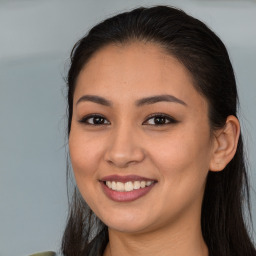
{"type": "Point", "coordinates": [44, 254]}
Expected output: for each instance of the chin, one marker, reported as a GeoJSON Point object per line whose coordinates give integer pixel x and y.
{"type": "Point", "coordinates": [127, 223]}
{"type": "Point", "coordinates": [127, 227]}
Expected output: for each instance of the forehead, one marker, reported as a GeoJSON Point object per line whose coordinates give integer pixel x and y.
{"type": "Point", "coordinates": [136, 60]}
{"type": "Point", "coordinates": [136, 70]}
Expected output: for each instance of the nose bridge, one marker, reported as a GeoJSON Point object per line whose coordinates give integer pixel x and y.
{"type": "Point", "coordinates": [125, 145]}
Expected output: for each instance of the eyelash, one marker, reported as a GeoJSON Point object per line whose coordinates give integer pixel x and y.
{"type": "Point", "coordinates": [170, 119]}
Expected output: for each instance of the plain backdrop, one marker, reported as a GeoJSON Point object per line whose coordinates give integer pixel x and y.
{"type": "Point", "coordinates": [36, 38]}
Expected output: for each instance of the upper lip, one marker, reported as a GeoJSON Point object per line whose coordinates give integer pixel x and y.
{"type": "Point", "coordinates": [125, 178]}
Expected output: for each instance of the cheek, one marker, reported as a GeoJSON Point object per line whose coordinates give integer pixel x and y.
{"type": "Point", "coordinates": [84, 155]}
{"type": "Point", "coordinates": [183, 166]}
{"type": "Point", "coordinates": [183, 159]}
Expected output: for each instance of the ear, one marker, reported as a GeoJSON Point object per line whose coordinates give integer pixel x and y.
{"type": "Point", "coordinates": [225, 144]}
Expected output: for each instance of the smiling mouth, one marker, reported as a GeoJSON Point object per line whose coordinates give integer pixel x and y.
{"type": "Point", "coordinates": [127, 186]}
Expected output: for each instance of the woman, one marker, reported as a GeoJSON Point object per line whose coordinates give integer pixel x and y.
{"type": "Point", "coordinates": [154, 140]}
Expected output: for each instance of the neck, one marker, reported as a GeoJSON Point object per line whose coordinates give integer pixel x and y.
{"type": "Point", "coordinates": [179, 241]}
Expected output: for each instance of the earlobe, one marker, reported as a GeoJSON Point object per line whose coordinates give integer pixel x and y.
{"type": "Point", "coordinates": [225, 144]}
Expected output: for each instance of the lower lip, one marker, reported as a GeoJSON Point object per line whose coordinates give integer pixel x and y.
{"type": "Point", "coordinates": [125, 196]}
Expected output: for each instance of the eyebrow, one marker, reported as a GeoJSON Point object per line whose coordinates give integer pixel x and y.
{"type": "Point", "coordinates": [138, 103]}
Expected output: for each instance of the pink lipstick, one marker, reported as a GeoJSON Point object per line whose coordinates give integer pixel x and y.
{"type": "Point", "coordinates": [126, 188]}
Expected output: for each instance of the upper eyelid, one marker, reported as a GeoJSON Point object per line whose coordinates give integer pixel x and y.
{"type": "Point", "coordinates": [158, 114]}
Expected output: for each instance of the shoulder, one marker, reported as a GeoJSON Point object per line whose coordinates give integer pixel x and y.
{"type": "Point", "coordinates": [48, 253]}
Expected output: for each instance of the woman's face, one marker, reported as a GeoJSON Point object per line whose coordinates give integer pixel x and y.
{"type": "Point", "coordinates": [140, 141]}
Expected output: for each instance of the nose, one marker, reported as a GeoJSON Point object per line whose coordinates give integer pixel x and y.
{"type": "Point", "coordinates": [125, 147]}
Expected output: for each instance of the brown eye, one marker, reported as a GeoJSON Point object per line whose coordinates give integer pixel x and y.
{"type": "Point", "coordinates": [94, 120]}
{"type": "Point", "coordinates": [160, 119]}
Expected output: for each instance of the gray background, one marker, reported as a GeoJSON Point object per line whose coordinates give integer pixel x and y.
{"type": "Point", "coordinates": [35, 40]}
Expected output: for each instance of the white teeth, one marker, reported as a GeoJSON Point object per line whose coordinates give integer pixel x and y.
{"type": "Point", "coordinates": [143, 184]}
{"type": "Point", "coordinates": [109, 184]}
{"type": "Point", "coordinates": [148, 183]}
{"type": "Point", "coordinates": [113, 185]}
{"type": "Point", "coordinates": [120, 186]}
{"type": "Point", "coordinates": [136, 185]}
{"type": "Point", "coordinates": [127, 186]}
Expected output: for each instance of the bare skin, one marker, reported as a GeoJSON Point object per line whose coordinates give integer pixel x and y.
{"type": "Point", "coordinates": [177, 154]}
